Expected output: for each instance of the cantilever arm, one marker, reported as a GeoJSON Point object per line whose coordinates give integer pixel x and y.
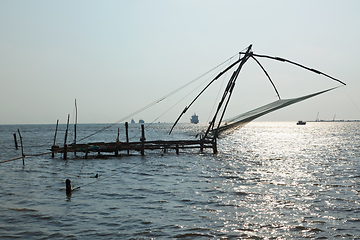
{"type": "Point", "coordinates": [299, 65]}
{"type": "Point", "coordinates": [213, 80]}
{"type": "Point", "coordinates": [267, 76]}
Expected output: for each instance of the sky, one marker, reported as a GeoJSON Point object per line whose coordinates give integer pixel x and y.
{"type": "Point", "coordinates": [116, 57]}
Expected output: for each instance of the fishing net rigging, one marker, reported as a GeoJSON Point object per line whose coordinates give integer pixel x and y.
{"type": "Point", "coordinates": [216, 126]}
{"type": "Point", "coordinates": [158, 100]}
{"type": "Point", "coordinates": [234, 123]}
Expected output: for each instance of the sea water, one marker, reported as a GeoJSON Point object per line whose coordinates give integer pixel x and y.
{"type": "Point", "coordinates": [269, 180]}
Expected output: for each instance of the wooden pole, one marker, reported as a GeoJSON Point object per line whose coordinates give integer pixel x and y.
{"type": "Point", "coordinates": [227, 94]}
{"type": "Point", "coordinates": [127, 136]}
{"type": "Point", "coordinates": [65, 146]}
{"type": "Point", "coordinates": [57, 123]}
{"type": "Point", "coordinates": [75, 126]}
{"type": "Point", "coordinates": [68, 187]}
{"type": "Point", "coordinates": [177, 149]}
{"type": "Point", "coordinates": [142, 139]}
{"type": "Point", "coordinates": [16, 145]}
{"type": "Point", "coordinates": [117, 144]}
{"type": "Point", "coordinates": [22, 148]}
{"type": "Point", "coordinates": [86, 151]}
{"type": "Point", "coordinates": [214, 146]}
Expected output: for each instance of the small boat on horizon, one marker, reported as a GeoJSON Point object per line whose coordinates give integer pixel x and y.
{"type": "Point", "coordinates": [300, 122]}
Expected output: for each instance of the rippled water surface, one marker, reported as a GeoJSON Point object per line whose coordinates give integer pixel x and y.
{"type": "Point", "coordinates": [269, 180]}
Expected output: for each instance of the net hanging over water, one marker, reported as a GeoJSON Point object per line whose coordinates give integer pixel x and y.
{"type": "Point", "coordinates": [219, 126]}
{"type": "Point", "coordinates": [237, 122]}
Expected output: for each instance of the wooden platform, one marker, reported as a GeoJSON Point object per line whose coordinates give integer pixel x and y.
{"type": "Point", "coordinates": [118, 147]}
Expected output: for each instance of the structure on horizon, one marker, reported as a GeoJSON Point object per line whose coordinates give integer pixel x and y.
{"type": "Point", "coordinates": [194, 119]}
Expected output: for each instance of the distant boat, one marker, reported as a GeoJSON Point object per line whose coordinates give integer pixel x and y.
{"type": "Point", "coordinates": [141, 121]}
{"type": "Point", "coordinates": [300, 123]}
{"type": "Point", "coordinates": [194, 119]}
{"type": "Point", "coordinates": [132, 121]}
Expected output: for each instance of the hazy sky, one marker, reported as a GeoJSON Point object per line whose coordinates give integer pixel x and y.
{"type": "Point", "coordinates": [116, 57]}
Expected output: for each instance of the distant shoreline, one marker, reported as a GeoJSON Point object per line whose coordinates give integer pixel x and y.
{"type": "Point", "coordinates": [335, 121]}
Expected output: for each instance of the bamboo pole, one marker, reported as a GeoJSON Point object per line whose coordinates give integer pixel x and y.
{"type": "Point", "coordinates": [86, 151]}
{"type": "Point", "coordinates": [68, 187]}
{"type": "Point", "coordinates": [65, 146]}
{"type": "Point", "coordinates": [75, 126]}
{"type": "Point", "coordinates": [142, 139]}
{"type": "Point", "coordinates": [117, 144]}
{"type": "Point", "coordinates": [57, 123]}
{"type": "Point", "coordinates": [214, 146]}
{"type": "Point", "coordinates": [16, 145]}
{"type": "Point", "coordinates": [201, 144]}
{"type": "Point", "coordinates": [127, 135]}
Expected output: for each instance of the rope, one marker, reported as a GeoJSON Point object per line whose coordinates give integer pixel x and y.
{"type": "Point", "coordinates": [83, 163]}
{"type": "Point", "coordinates": [37, 154]}
{"type": "Point", "coordinates": [35, 146]}
{"type": "Point", "coordinates": [11, 159]}
{"type": "Point", "coordinates": [178, 102]}
{"type": "Point", "coordinates": [352, 100]}
{"type": "Point", "coordinates": [25, 155]}
{"type": "Point", "coordinates": [217, 97]}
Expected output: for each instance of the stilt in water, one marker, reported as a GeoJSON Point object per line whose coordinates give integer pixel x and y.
{"type": "Point", "coordinates": [142, 139]}
{"type": "Point", "coordinates": [68, 187]}
{"type": "Point", "coordinates": [117, 144]}
{"type": "Point", "coordinates": [75, 126]}
{"type": "Point", "coordinates": [16, 145]}
{"type": "Point", "coordinates": [53, 154]}
{"type": "Point", "coordinates": [214, 146]}
{"type": "Point", "coordinates": [127, 136]}
{"type": "Point", "coordinates": [65, 146]}
{"type": "Point", "coordinates": [22, 148]}
{"type": "Point", "coordinates": [86, 151]}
